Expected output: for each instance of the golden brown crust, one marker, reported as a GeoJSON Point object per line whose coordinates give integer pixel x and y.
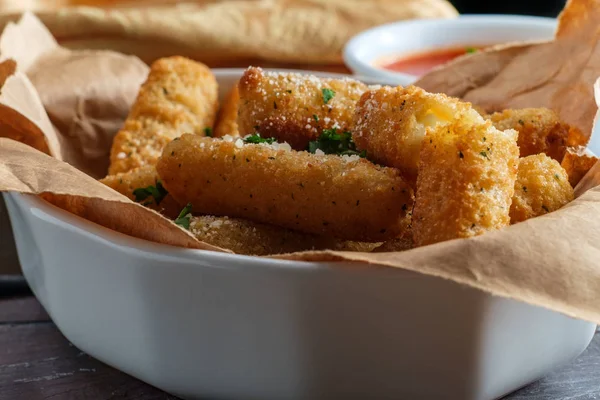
{"type": "Point", "coordinates": [466, 182]}
{"type": "Point", "coordinates": [345, 197]}
{"type": "Point", "coordinates": [179, 96]}
{"type": "Point", "coordinates": [292, 108]}
{"type": "Point", "coordinates": [542, 186]}
{"type": "Point", "coordinates": [390, 124]}
{"type": "Point", "coordinates": [252, 238]}
{"type": "Point", "coordinates": [540, 130]}
{"type": "Point", "coordinates": [227, 118]}
{"type": "Point", "coordinates": [127, 182]}
{"type": "Point", "coordinates": [577, 163]}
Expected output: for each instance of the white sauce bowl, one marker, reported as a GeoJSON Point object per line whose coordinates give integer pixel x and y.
{"type": "Point", "coordinates": [387, 42]}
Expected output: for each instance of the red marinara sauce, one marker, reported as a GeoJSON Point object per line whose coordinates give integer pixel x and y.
{"type": "Point", "coordinates": [420, 63]}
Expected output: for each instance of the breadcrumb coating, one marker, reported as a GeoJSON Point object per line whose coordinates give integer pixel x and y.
{"type": "Point", "coordinates": [179, 96]}
{"type": "Point", "coordinates": [227, 118]}
{"type": "Point", "coordinates": [345, 197]}
{"type": "Point", "coordinates": [540, 130]}
{"type": "Point", "coordinates": [466, 181]}
{"type": "Point", "coordinates": [390, 124]}
{"type": "Point", "coordinates": [577, 163]}
{"type": "Point", "coordinates": [295, 108]}
{"type": "Point", "coordinates": [542, 186]}
{"type": "Point", "coordinates": [252, 238]}
{"type": "Point", "coordinates": [127, 182]}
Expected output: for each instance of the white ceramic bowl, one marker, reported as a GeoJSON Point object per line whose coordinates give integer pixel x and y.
{"type": "Point", "coordinates": [363, 51]}
{"type": "Point", "coordinates": [201, 324]}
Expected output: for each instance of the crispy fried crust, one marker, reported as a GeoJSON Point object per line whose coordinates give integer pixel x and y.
{"type": "Point", "coordinates": [540, 130]}
{"type": "Point", "coordinates": [179, 96]}
{"type": "Point", "coordinates": [126, 182]}
{"type": "Point", "coordinates": [345, 197]}
{"type": "Point", "coordinates": [466, 182]}
{"type": "Point", "coordinates": [252, 238]}
{"type": "Point", "coordinates": [390, 124]}
{"type": "Point", "coordinates": [542, 186]}
{"type": "Point", "coordinates": [227, 118]}
{"type": "Point", "coordinates": [577, 163]}
{"type": "Point", "coordinates": [291, 107]}
{"type": "Point", "coordinates": [401, 243]}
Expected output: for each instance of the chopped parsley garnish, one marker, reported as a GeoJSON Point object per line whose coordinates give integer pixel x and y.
{"type": "Point", "coordinates": [183, 219]}
{"type": "Point", "coordinates": [158, 192]}
{"type": "Point", "coordinates": [208, 131]}
{"type": "Point", "coordinates": [316, 117]}
{"type": "Point", "coordinates": [256, 139]}
{"type": "Point", "coordinates": [328, 94]}
{"type": "Point", "coordinates": [470, 50]}
{"type": "Point", "coordinates": [332, 142]}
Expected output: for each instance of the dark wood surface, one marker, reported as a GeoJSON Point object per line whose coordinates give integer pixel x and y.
{"type": "Point", "coordinates": [37, 362]}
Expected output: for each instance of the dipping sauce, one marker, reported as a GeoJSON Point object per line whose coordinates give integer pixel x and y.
{"type": "Point", "coordinates": [420, 63]}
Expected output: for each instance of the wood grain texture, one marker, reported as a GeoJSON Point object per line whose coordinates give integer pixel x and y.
{"type": "Point", "coordinates": [37, 362]}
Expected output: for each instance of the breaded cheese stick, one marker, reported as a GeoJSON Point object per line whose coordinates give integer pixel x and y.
{"type": "Point", "coordinates": [227, 118]}
{"type": "Point", "coordinates": [295, 108]}
{"type": "Point", "coordinates": [542, 186]}
{"type": "Point", "coordinates": [143, 185]}
{"type": "Point", "coordinates": [179, 96]}
{"type": "Point", "coordinates": [466, 182]}
{"type": "Point", "coordinates": [577, 163]}
{"type": "Point", "coordinates": [345, 197]}
{"type": "Point", "coordinates": [390, 124]}
{"type": "Point", "coordinates": [540, 130]}
{"type": "Point", "coordinates": [252, 238]}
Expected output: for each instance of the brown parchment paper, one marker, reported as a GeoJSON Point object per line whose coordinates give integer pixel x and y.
{"type": "Point", "coordinates": [86, 94]}
{"type": "Point", "coordinates": [228, 33]}
{"type": "Point", "coordinates": [551, 261]}
{"type": "Point", "coordinates": [558, 75]}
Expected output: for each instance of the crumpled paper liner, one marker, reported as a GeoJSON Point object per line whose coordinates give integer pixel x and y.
{"type": "Point", "coordinates": [86, 94]}
{"type": "Point", "coordinates": [558, 75]}
{"type": "Point", "coordinates": [549, 261]}
{"type": "Point", "coordinates": [225, 33]}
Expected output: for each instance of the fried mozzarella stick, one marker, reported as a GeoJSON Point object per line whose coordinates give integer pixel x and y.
{"type": "Point", "coordinates": [577, 163]}
{"type": "Point", "coordinates": [227, 118]}
{"type": "Point", "coordinates": [390, 124]}
{"type": "Point", "coordinates": [540, 130]}
{"type": "Point", "coordinates": [542, 186]}
{"type": "Point", "coordinates": [252, 238]}
{"type": "Point", "coordinates": [466, 182]}
{"type": "Point", "coordinates": [345, 197]}
{"type": "Point", "coordinates": [295, 108]}
{"type": "Point", "coordinates": [143, 185]}
{"type": "Point", "coordinates": [179, 96]}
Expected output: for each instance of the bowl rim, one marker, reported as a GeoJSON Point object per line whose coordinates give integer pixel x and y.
{"type": "Point", "coordinates": [358, 65]}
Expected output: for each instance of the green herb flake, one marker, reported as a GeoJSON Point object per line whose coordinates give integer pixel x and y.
{"type": "Point", "coordinates": [471, 50]}
{"type": "Point", "coordinates": [256, 139]}
{"type": "Point", "coordinates": [157, 192]}
{"type": "Point", "coordinates": [521, 122]}
{"type": "Point", "coordinates": [183, 219]}
{"type": "Point", "coordinates": [557, 177]}
{"type": "Point", "coordinates": [484, 154]}
{"type": "Point", "coordinates": [208, 131]}
{"type": "Point", "coordinates": [328, 94]}
{"type": "Point", "coordinates": [316, 117]}
{"type": "Point", "coordinates": [332, 142]}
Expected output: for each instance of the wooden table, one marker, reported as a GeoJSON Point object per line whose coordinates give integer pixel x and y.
{"type": "Point", "coordinates": [38, 362]}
